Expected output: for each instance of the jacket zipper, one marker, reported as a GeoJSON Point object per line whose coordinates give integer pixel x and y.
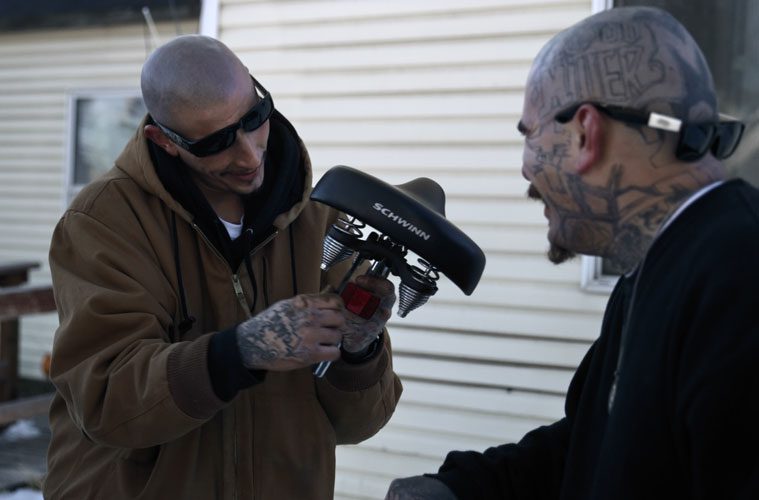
{"type": "Point", "coordinates": [253, 431]}
{"type": "Point", "coordinates": [266, 241]}
{"type": "Point", "coordinates": [237, 286]}
{"type": "Point", "coordinates": [240, 294]}
{"type": "Point", "coordinates": [210, 245]}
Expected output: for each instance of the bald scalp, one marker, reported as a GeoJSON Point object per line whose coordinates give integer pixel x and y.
{"type": "Point", "coordinates": [188, 73]}
{"type": "Point", "coordinates": [638, 57]}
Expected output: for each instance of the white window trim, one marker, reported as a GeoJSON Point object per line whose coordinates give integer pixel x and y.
{"type": "Point", "coordinates": [209, 18]}
{"type": "Point", "coordinates": [592, 278]}
{"type": "Point", "coordinates": [599, 5]}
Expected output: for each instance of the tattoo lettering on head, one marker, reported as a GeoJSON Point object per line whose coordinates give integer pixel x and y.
{"type": "Point", "coordinates": [621, 70]}
{"type": "Point", "coordinates": [609, 62]}
{"type": "Point", "coordinates": [273, 335]}
{"type": "Point", "coordinates": [640, 58]}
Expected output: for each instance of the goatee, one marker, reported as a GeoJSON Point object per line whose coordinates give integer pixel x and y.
{"type": "Point", "coordinates": [556, 254]}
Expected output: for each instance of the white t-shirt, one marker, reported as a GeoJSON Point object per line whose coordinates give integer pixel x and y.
{"type": "Point", "coordinates": [234, 230]}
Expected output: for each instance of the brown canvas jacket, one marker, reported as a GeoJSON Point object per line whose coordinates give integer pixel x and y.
{"type": "Point", "coordinates": [135, 414]}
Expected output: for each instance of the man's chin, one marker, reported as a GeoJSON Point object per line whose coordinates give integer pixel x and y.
{"type": "Point", "coordinates": [558, 254]}
{"type": "Point", "coordinates": [251, 188]}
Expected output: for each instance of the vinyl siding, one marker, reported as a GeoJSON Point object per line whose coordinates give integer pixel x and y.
{"type": "Point", "coordinates": [404, 89]}
{"type": "Point", "coordinates": [38, 71]}
{"type": "Point", "coordinates": [400, 89]}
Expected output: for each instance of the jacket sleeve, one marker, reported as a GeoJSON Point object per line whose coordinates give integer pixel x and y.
{"type": "Point", "coordinates": [359, 399]}
{"type": "Point", "coordinates": [124, 383]}
{"type": "Point", "coordinates": [532, 468]}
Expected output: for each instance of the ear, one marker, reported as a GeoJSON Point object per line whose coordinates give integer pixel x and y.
{"type": "Point", "coordinates": [591, 131]}
{"type": "Point", "coordinates": [159, 139]}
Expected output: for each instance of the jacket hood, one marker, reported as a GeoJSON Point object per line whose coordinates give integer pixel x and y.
{"type": "Point", "coordinates": [287, 181]}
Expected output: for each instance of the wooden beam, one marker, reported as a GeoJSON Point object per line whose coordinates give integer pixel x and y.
{"type": "Point", "coordinates": [15, 273]}
{"type": "Point", "coordinates": [25, 407]}
{"type": "Point", "coordinates": [22, 300]}
{"type": "Point", "coordinates": [17, 299]}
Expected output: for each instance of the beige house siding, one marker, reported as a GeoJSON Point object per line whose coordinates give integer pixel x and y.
{"type": "Point", "coordinates": [403, 89]}
{"type": "Point", "coordinates": [400, 89]}
{"type": "Point", "coordinates": [38, 71]}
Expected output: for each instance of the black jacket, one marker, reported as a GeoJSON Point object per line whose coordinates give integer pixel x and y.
{"type": "Point", "coordinates": [685, 417]}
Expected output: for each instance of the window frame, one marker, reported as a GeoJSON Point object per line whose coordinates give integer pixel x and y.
{"type": "Point", "coordinates": [592, 277]}
{"type": "Point", "coordinates": [70, 185]}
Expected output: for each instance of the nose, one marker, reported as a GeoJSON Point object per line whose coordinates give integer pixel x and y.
{"type": "Point", "coordinates": [251, 148]}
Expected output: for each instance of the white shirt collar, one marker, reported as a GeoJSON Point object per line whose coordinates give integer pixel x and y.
{"type": "Point", "coordinates": [234, 230]}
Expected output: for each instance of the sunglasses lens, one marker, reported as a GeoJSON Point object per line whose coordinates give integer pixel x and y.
{"type": "Point", "coordinates": [215, 143]}
{"type": "Point", "coordinates": [258, 115]}
{"type": "Point", "coordinates": [224, 138]}
{"type": "Point", "coordinates": [728, 136]}
{"type": "Point", "coordinates": [695, 140]}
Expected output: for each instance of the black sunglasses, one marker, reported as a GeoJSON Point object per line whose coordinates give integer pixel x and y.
{"type": "Point", "coordinates": [728, 136]}
{"type": "Point", "coordinates": [222, 139]}
{"type": "Point", "coordinates": [695, 139]}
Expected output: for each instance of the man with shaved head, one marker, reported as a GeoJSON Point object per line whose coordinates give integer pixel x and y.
{"type": "Point", "coordinates": [189, 291]}
{"type": "Point", "coordinates": [623, 142]}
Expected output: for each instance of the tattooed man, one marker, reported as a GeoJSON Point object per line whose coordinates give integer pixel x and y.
{"type": "Point", "coordinates": [188, 286]}
{"type": "Point", "coordinates": [623, 143]}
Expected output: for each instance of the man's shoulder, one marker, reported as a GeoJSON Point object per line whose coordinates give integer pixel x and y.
{"type": "Point", "coordinates": [733, 207]}
{"type": "Point", "coordinates": [748, 194]}
{"type": "Point", "coordinates": [720, 225]}
{"type": "Point", "coordinates": [111, 197]}
{"type": "Point", "coordinates": [720, 231]}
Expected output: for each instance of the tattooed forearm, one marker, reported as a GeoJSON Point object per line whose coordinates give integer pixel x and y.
{"type": "Point", "coordinates": [272, 335]}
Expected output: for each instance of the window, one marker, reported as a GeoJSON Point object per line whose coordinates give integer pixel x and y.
{"type": "Point", "coordinates": [100, 124]}
{"type": "Point", "coordinates": [725, 33]}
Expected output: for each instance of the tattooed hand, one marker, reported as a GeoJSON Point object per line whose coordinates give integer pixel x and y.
{"type": "Point", "coordinates": [293, 333]}
{"type": "Point", "coordinates": [419, 488]}
{"type": "Point", "coordinates": [359, 333]}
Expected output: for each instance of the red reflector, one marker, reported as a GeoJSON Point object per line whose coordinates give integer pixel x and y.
{"type": "Point", "coordinates": [359, 301]}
